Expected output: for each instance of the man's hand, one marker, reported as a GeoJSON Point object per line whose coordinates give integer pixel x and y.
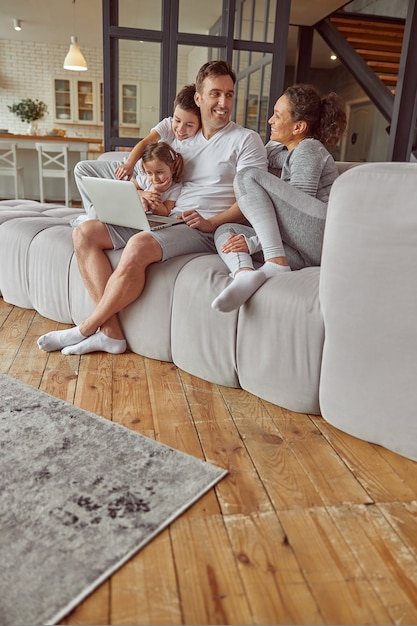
{"type": "Point", "coordinates": [193, 219]}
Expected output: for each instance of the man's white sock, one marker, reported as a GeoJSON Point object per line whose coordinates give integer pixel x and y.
{"type": "Point", "coordinates": [99, 342]}
{"type": "Point", "coordinates": [58, 339]}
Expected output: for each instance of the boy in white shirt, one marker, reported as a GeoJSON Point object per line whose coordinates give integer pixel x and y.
{"type": "Point", "coordinates": [184, 124]}
{"type": "Point", "coordinates": [176, 131]}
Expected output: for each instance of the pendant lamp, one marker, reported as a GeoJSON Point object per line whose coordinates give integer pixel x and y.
{"type": "Point", "coordinates": [75, 59]}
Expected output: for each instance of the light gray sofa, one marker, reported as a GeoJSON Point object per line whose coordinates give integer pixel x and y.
{"type": "Point", "coordinates": [339, 340]}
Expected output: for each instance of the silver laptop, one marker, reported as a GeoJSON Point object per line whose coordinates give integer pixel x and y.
{"type": "Point", "coordinates": [118, 202]}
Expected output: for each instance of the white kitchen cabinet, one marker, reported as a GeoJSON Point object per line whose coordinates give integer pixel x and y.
{"type": "Point", "coordinates": [76, 100]}
{"type": "Point", "coordinates": [129, 102]}
{"type": "Point", "coordinates": [80, 101]}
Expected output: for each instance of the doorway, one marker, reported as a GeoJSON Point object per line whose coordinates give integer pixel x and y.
{"type": "Point", "coordinates": [366, 135]}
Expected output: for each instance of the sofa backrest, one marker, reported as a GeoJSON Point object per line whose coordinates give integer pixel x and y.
{"type": "Point", "coordinates": [343, 166]}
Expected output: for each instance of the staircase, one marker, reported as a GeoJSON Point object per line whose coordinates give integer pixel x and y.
{"type": "Point", "coordinates": [377, 42]}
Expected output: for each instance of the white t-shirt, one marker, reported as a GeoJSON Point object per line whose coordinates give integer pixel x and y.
{"type": "Point", "coordinates": [164, 130]}
{"type": "Point", "coordinates": [211, 165]}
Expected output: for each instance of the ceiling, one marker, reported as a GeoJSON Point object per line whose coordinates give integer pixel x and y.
{"type": "Point", "coordinates": [54, 21]}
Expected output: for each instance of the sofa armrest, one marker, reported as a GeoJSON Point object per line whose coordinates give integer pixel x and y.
{"type": "Point", "coordinates": [368, 298]}
{"type": "Point", "coordinates": [114, 155]}
{"type": "Point", "coordinates": [343, 166]}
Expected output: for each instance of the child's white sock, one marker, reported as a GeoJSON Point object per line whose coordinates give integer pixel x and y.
{"type": "Point", "coordinates": [58, 339]}
{"type": "Point", "coordinates": [244, 284]}
{"type": "Point", "coordinates": [99, 342]}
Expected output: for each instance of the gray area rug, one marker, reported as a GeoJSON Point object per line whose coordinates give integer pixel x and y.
{"type": "Point", "coordinates": [79, 496]}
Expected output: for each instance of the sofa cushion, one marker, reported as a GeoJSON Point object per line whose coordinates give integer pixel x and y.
{"type": "Point", "coordinates": [147, 322]}
{"type": "Point", "coordinates": [34, 257]}
{"type": "Point", "coordinates": [280, 334]}
{"type": "Point", "coordinates": [204, 340]}
{"type": "Point", "coordinates": [10, 209]}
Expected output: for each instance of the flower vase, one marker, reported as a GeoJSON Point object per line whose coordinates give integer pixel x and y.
{"type": "Point", "coordinates": [32, 128]}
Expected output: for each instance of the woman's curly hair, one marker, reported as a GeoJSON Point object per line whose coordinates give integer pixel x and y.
{"type": "Point", "coordinates": [325, 115]}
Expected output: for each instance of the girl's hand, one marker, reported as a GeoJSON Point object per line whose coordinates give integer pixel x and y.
{"type": "Point", "coordinates": [235, 243]}
{"type": "Point", "coordinates": [124, 171]}
{"type": "Point", "coordinates": [152, 198]}
{"type": "Point", "coordinates": [145, 205]}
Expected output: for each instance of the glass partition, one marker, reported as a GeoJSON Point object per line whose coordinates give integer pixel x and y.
{"type": "Point", "coordinates": [255, 20]}
{"type": "Point", "coordinates": [252, 94]}
{"type": "Point", "coordinates": [190, 59]}
{"type": "Point", "coordinates": [140, 14]}
{"type": "Point", "coordinates": [200, 17]}
{"type": "Point", "coordinates": [162, 57]}
{"type": "Point", "coordinates": [139, 86]}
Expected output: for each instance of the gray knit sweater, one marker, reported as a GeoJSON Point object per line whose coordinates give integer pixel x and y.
{"type": "Point", "coordinates": [309, 166]}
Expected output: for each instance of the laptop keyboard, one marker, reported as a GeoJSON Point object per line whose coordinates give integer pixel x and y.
{"type": "Point", "coordinates": [154, 224]}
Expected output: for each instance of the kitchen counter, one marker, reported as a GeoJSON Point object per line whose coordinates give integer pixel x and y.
{"type": "Point", "coordinates": [77, 144]}
{"type": "Point", "coordinates": [80, 149]}
{"type": "Point", "coordinates": [51, 137]}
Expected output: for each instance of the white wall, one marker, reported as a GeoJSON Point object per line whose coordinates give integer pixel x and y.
{"type": "Point", "coordinates": [27, 70]}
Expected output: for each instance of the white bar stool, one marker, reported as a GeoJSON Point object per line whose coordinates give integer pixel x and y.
{"type": "Point", "coordinates": [53, 163]}
{"type": "Point", "coordinates": [9, 167]}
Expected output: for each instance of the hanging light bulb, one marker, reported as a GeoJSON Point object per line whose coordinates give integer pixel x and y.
{"type": "Point", "coordinates": [75, 59]}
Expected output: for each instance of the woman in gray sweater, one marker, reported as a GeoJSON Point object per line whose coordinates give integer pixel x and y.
{"type": "Point", "coordinates": [287, 213]}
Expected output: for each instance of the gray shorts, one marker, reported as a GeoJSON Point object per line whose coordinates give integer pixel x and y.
{"type": "Point", "coordinates": [174, 241]}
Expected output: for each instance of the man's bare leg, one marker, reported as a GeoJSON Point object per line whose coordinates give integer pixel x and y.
{"type": "Point", "coordinates": [94, 237]}
{"type": "Point", "coordinates": [126, 283]}
{"type": "Point", "coordinates": [91, 239]}
{"type": "Point", "coordinates": [123, 287]}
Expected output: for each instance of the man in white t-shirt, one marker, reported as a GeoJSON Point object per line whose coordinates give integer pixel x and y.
{"type": "Point", "coordinates": [219, 150]}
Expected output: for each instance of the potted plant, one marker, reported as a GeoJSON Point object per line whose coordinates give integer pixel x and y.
{"type": "Point", "coordinates": [29, 111]}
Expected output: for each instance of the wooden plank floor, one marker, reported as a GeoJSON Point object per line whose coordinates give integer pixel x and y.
{"type": "Point", "coordinates": [311, 526]}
